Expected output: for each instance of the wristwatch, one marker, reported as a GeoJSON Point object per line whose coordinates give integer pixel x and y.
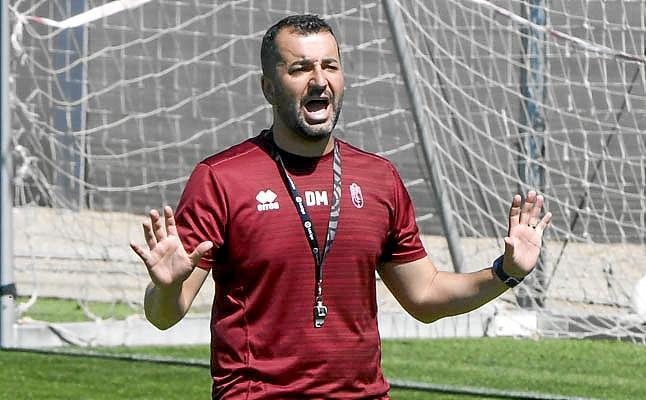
{"type": "Point", "coordinates": [510, 281]}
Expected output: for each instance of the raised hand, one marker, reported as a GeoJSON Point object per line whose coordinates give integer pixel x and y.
{"type": "Point", "coordinates": [167, 262]}
{"type": "Point", "coordinates": [525, 234]}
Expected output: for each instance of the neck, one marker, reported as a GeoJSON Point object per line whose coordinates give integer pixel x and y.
{"type": "Point", "coordinates": [293, 143]}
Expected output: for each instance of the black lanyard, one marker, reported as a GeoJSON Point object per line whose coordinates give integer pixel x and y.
{"type": "Point", "coordinates": [320, 311]}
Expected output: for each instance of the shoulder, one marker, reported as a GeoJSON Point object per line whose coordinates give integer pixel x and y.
{"type": "Point", "coordinates": [242, 154]}
{"type": "Point", "coordinates": [369, 162]}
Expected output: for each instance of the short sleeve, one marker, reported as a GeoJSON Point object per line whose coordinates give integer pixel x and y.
{"type": "Point", "coordinates": [404, 244]}
{"type": "Point", "coordinates": [202, 213]}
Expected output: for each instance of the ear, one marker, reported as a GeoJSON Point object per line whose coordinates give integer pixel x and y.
{"type": "Point", "coordinates": [267, 89]}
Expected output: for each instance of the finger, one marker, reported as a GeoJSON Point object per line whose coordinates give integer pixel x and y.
{"type": "Point", "coordinates": [158, 225]}
{"type": "Point", "coordinates": [169, 218]}
{"type": "Point", "coordinates": [145, 257]}
{"type": "Point", "coordinates": [527, 207]}
{"type": "Point", "coordinates": [547, 218]}
{"type": "Point", "coordinates": [199, 251]}
{"type": "Point", "coordinates": [535, 211]}
{"type": "Point", "coordinates": [514, 212]}
{"type": "Point", "coordinates": [149, 235]}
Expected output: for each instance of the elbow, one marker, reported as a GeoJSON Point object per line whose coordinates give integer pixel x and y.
{"type": "Point", "coordinates": [427, 318]}
{"type": "Point", "coordinates": [160, 323]}
{"type": "Point", "coordinates": [162, 326]}
{"type": "Point", "coordinates": [435, 312]}
{"type": "Point", "coordinates": [424, 314]}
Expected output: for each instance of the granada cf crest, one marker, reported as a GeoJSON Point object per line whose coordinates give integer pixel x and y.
{"type": "Point", "coordinates": [357, 196]}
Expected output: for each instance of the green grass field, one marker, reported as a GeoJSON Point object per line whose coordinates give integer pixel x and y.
{"type": "Point", "coordinates": [583, 368]}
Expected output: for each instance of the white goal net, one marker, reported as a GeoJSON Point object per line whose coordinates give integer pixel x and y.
{"type": "Point", "coordinates": [113, 103]}
{"type": "Point", "coordinates": [548, 95]}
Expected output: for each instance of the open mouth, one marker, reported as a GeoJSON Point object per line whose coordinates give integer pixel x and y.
{"type": "Point", "coordinates": [317, 110]}
{"type": "Point", "coordinates": [315, 105]}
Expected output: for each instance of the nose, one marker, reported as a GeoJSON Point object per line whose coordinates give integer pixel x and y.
{"type": "Point", "coordinates": [318, 79]}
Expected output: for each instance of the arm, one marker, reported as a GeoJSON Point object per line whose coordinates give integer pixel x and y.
{"type": "Point", "coordinates": [164, 307]}
{"type": "Point", "coordinates": [175, 280]}
{"type": "Point", "coordinates": [428, 294]}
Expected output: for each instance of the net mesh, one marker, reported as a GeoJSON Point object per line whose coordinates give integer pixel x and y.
{"type": "Point", "coordinates": [110, 114]}
{"type": "Point", "coordinates": [521, 95]}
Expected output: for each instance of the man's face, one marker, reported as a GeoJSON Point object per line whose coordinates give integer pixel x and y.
{"type": "Point", "coordinates": [308, 83]}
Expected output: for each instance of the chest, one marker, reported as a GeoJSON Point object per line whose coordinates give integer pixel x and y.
{"type": "Point", "coordinates": [265, 226]}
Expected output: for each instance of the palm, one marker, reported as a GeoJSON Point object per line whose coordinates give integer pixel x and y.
{"type": "Point", "coordinates": [523, 242]}
{"type": "Point", "coordinates": [526, 248]}
{"type": "Point", "coordinates": [167, 262]}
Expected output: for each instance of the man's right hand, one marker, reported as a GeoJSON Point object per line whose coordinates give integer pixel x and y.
{"type": "Point", "coordinates": [167, 262]}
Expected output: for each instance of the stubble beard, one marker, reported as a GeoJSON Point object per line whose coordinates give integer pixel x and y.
{"type": "Point", "coordinates": [292, 115]}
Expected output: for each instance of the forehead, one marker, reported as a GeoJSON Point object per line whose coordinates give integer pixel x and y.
{"type": "Point", "coordinates": [293, 46]}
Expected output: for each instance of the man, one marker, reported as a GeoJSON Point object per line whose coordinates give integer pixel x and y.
{"type": "Point", "coordinates": [292, 225]}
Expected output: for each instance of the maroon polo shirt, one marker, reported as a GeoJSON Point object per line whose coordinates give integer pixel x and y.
{"type": "Point", "coordinates": [264, 344]}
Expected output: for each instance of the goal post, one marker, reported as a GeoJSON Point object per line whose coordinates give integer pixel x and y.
{"type": "Point", "coordinates": [531, 142]}
{"type": "Point", "coordinates": [424, 132]}
{"type": "Point", "coordinates": [7, 286]}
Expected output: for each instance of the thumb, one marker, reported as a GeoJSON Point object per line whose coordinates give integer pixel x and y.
{"type": "Point", "coordinates": [199, 251]}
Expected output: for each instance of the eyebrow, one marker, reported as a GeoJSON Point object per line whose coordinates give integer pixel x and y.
{"type": "Point", "coordinates": [306, 61]}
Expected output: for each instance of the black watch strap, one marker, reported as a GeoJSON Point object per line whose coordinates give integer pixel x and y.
{"type": "Point", "coordinates": [510, 281]}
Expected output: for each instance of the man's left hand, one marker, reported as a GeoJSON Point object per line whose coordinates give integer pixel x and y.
{"type": "Point", "coordinates": [525, 234]}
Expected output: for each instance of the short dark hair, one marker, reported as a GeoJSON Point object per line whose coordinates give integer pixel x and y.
{"type": "Point", "coordinates": [303, 24]}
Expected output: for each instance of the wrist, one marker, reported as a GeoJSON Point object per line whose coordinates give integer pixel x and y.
{"type": "Point", "coordinates": [500, 273]}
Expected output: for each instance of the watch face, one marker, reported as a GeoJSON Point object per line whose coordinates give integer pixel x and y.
{"type": "Point", "coordinates": [511, 281]}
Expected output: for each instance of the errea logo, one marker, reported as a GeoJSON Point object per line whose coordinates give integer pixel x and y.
{"type": "Point", "coordinates": [267, 200]}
